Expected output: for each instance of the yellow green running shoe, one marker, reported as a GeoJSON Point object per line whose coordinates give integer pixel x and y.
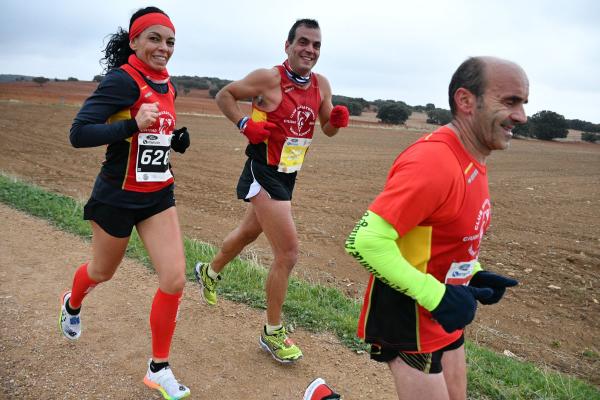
{"type": "Point", "coordinates": [280, 346]}
{"type": "Point", "coordinates": [208, 285]}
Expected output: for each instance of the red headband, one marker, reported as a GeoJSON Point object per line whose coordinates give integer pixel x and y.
{"type": "Point", "coordinates": [142, 23]}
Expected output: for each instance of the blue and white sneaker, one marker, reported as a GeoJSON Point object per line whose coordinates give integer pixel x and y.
{"type": "Point", "coordinates": [69, 325]}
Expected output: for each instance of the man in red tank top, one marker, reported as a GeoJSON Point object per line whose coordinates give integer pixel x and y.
{"type": "Point", "coordinates": [287, 101]}
{"type": "Point", "coordinates": [420, 237]}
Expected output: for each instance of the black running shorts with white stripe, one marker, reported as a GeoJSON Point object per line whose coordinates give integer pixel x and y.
{"type": "Point", "coordinates": [278, 185]}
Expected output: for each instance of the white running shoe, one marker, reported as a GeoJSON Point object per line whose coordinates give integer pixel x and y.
{"type": "Point", "coordinates": [69, 325]}
{"type": "Point", "coordinates": [319, 390]}
{"type": "Point", "coordinates": [164, 381]}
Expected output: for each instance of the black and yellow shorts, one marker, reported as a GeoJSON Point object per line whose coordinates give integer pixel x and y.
{"type": "Point", "coordinates": [256, 175]}
{"type": "Point", "coordinates": [429, 363]}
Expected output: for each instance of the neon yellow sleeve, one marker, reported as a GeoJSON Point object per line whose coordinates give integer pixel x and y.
{"type": "Point", "coordinates": [373, 244]}
{"type": "Point", "coordinates": [476, 268]}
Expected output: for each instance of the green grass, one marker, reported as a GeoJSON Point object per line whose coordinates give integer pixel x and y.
{"type": "Point", "coordinates": [502, 378]}
{"type": "Point", "coordinates": [314, 307]}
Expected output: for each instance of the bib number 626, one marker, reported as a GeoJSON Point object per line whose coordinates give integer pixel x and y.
{"type": "Point", "coordinates": [154, 156]}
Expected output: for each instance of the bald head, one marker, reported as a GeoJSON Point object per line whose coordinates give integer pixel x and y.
{"type": "Point", "coordinates": [494, 66]}
{"type": "Point", "coordinates": [474, 75]}
{"type": "Point", "coordinates": [503, 72]}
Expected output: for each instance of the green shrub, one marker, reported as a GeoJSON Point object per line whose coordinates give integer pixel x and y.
{"type": "Point", "coordinates": [548, 125]}
{"type": "Point", "coordinates": [439, 116]}
{"type": "Point", "coordinates": [393, 113]}
{"type": "Point", "coordinates": [590, 137]}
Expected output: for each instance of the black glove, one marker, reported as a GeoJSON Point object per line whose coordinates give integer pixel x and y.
{"type": "Point", "coordinates": [180, 140]}
{"type": "Point", "coordinates": [498, 283]}
{"type": "Point", "coordinates": [458, 306]}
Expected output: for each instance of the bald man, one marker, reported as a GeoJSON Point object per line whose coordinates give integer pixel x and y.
{"type": "Point", "coordinates": [420, 238]}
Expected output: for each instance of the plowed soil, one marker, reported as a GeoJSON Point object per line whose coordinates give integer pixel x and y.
{"type": "Point", "coordinates": [545, 232]}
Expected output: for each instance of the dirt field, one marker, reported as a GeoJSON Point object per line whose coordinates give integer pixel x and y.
{"type": "Point", "coordinates": [215, 350]}
{"type": "Point", "coordinates": [545, 226]}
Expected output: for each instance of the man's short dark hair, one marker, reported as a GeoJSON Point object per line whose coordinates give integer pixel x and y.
{"type": "Point", "coordinates": [309, 23]}
{"type": "Point", "coordinates": [471, 76]}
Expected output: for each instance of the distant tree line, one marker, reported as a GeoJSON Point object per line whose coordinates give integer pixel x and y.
{"type": "Point", "coordinates": [590, 137]}
{"type": "Point", "coordinates": [40, 80]}
{"type": "Point", "coordinates": [191, 82]}
{"type": "Point", "coordinates": [544, 125]}
{"type": "Point", "coordinates": [548, 125]}
{"type": "Point", "coordinates": [186, 83]}
{"type": "Point", "coordinates": [589, 132]}
{"type": "Point", "coordinates": [392, 111]}
{"type": "Point", "coordinates": [69, 79]}
{"type": "Point", "coordinates": [584, 126]}
{"type": "Point", "coordinates": [355, 105]}
{"type": "Point", "coordinates": [425, 108]}
{"type": "Point", "coordinates": [438, 116]}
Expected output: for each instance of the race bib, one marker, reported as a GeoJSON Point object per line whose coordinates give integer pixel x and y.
{"type": "Point", "coordinates": [460, 273]}
{"type": "Point", "coordinates": [292, 154]}
{"type": "Point", "coordinates": [152, 164]}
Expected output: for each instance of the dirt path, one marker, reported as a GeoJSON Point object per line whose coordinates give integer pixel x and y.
{"type": "Point", "coordinates": [544, 231]}
{"type": "Point", "coordinates": [215, 350]}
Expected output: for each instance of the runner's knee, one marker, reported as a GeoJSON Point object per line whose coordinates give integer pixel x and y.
{"type": "Point", "coordinates": [175, 283]}
{"type": "Point", "coordinates": [101, 275]}
{"type": "Point", "coordinates": [178, 284]}
{"type": "Point", "coordinates": [287, 257]}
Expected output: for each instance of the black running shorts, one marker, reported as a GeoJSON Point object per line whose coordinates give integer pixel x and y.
{"type": "Point", "coordinates": [429, 363]}
{"type": "Point", "coordinates": [119, 222]}
{"type": "Point", "coordinates": [256, 175]}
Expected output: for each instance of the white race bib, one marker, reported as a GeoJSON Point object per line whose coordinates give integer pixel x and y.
{"type": "Point", "coordinates": [152, 164]}
{"type": "Point", "coordinates": [460, 272]}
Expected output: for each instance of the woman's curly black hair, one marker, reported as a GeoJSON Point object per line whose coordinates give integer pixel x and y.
{"type": "Point", "coordinates": [117, 50]}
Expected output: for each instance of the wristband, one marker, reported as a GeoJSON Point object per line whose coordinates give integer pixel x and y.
{"type": "Point", "coordinates": [242, 123]}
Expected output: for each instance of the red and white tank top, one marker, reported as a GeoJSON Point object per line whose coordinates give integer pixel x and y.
{"type": "Point", "coordinates": [295, 118]}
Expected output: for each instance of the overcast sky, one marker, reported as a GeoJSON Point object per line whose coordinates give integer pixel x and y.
{"type": "Point", "coordinates": [377, 49]}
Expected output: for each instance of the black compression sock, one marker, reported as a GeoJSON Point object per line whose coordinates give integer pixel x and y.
{"type": "Point", "coordinates": [155, 367]}
{"type": "Point", "coordinates": [72, 311]}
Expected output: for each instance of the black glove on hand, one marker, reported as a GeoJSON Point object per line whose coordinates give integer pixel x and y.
{"type": "Point", "coordinates": [180, 140]}
{"type": "Point", "coordinates": [458, 306]}
{"type": "Point", "coordinates": [498, 283]}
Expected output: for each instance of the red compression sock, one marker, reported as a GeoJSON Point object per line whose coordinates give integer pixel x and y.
{"type": "Point", "coordinates": [82, 285]}
{"type": "Point", "coordinates": [163, 317]}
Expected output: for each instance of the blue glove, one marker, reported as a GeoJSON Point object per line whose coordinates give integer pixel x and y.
{"type": "Point", "coordinates": [458, 306]}
{"type": "Point", "coordinates": [498, 283]}
{"type": "Point", "coordinates": [180, 140]}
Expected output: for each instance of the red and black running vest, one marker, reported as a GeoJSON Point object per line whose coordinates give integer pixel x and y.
{"type": "Point", "coordinates": [147, 168]}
